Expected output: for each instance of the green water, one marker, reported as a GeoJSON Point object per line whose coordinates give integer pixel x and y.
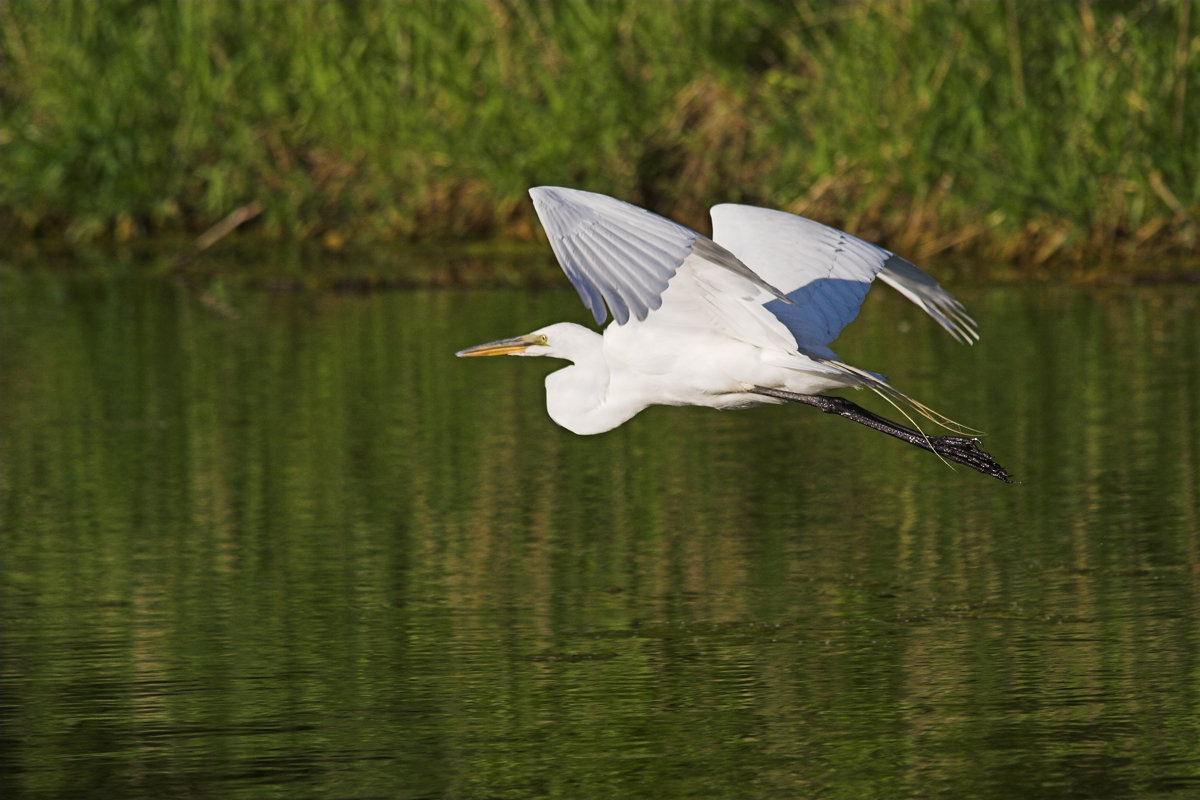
{"type": "Point", "coordinates": [299, 550]}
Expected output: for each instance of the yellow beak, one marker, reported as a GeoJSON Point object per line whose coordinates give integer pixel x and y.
{"type": "Point", "coordinates": [501, 347]}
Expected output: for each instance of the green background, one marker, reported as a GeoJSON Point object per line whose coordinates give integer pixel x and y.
{"type": "Point", "coordinates": [1038, 132]}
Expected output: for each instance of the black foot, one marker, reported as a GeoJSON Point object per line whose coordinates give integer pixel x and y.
{"type": "Point", "coordinates": [966, 451]}
{"type": "Point", "coordinates": [959, 449]}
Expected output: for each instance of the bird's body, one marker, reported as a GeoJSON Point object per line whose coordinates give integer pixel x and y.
{"type": "Point", "coordinates": [619, 373]}
{"type": "Point", "coordinates": [742, 319]}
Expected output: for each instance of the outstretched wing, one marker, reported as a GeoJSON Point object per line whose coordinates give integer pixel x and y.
{"type": "Point", "coordinates": [920, 287]}
{"type": "Point", "coordinates": [826, 272]}
{"type": "Point", "coordinates": [622, 256]}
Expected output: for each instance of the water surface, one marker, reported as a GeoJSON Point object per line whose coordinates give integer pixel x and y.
{"type": "Point", "coordinates": [288, 546]}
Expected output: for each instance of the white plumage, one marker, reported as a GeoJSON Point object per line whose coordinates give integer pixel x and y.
{"type": "Point", "coordinates": [740, 319]}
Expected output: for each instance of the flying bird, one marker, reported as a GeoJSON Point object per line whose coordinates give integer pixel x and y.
{"type": "Point", "coordinates": [738, 320]}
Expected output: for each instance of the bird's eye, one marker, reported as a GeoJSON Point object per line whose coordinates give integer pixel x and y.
{"type": "Point", "coordinates": [543, 339]}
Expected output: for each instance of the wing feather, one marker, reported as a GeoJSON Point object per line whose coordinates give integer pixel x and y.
{"type": "Point", "coordinates": [621, 256]}
{"type": "Point", "coordinates": [826, 272]}
{"type": "Point", "coordinates": [569, 259]}
{"type": "Point", "coordinates": [646, 294]}
{"type": "Point", "coordinates": [582, 252]}
{"type": "Point", "coordinates": [919, 287]}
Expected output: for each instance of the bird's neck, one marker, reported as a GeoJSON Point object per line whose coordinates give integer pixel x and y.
{"type": "Point", "coordinates": [578, 397]}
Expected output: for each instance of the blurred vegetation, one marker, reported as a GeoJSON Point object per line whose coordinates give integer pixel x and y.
{"type": "Point", "coordinates": [1032, 132]}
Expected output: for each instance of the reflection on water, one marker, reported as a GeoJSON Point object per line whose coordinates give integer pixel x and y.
{"type": "Point", "coordinates": [307, 552]}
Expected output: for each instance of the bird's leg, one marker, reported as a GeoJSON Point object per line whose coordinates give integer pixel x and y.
{"type": "Point", "coordinates": [960, 449]}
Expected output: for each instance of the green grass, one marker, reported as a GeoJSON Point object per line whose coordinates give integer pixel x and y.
{"type": "Point", "coordinates": [1039, 132]}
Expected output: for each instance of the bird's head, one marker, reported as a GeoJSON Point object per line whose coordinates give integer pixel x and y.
{"type": "Point", "coordinates": [562, 340]}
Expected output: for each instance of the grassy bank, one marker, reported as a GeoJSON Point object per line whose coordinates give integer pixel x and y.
{"type": "Point", "coordinates": [1039, 132]}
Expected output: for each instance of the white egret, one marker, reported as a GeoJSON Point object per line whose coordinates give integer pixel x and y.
{"type": "Point", "coordinates": [742, 319]}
